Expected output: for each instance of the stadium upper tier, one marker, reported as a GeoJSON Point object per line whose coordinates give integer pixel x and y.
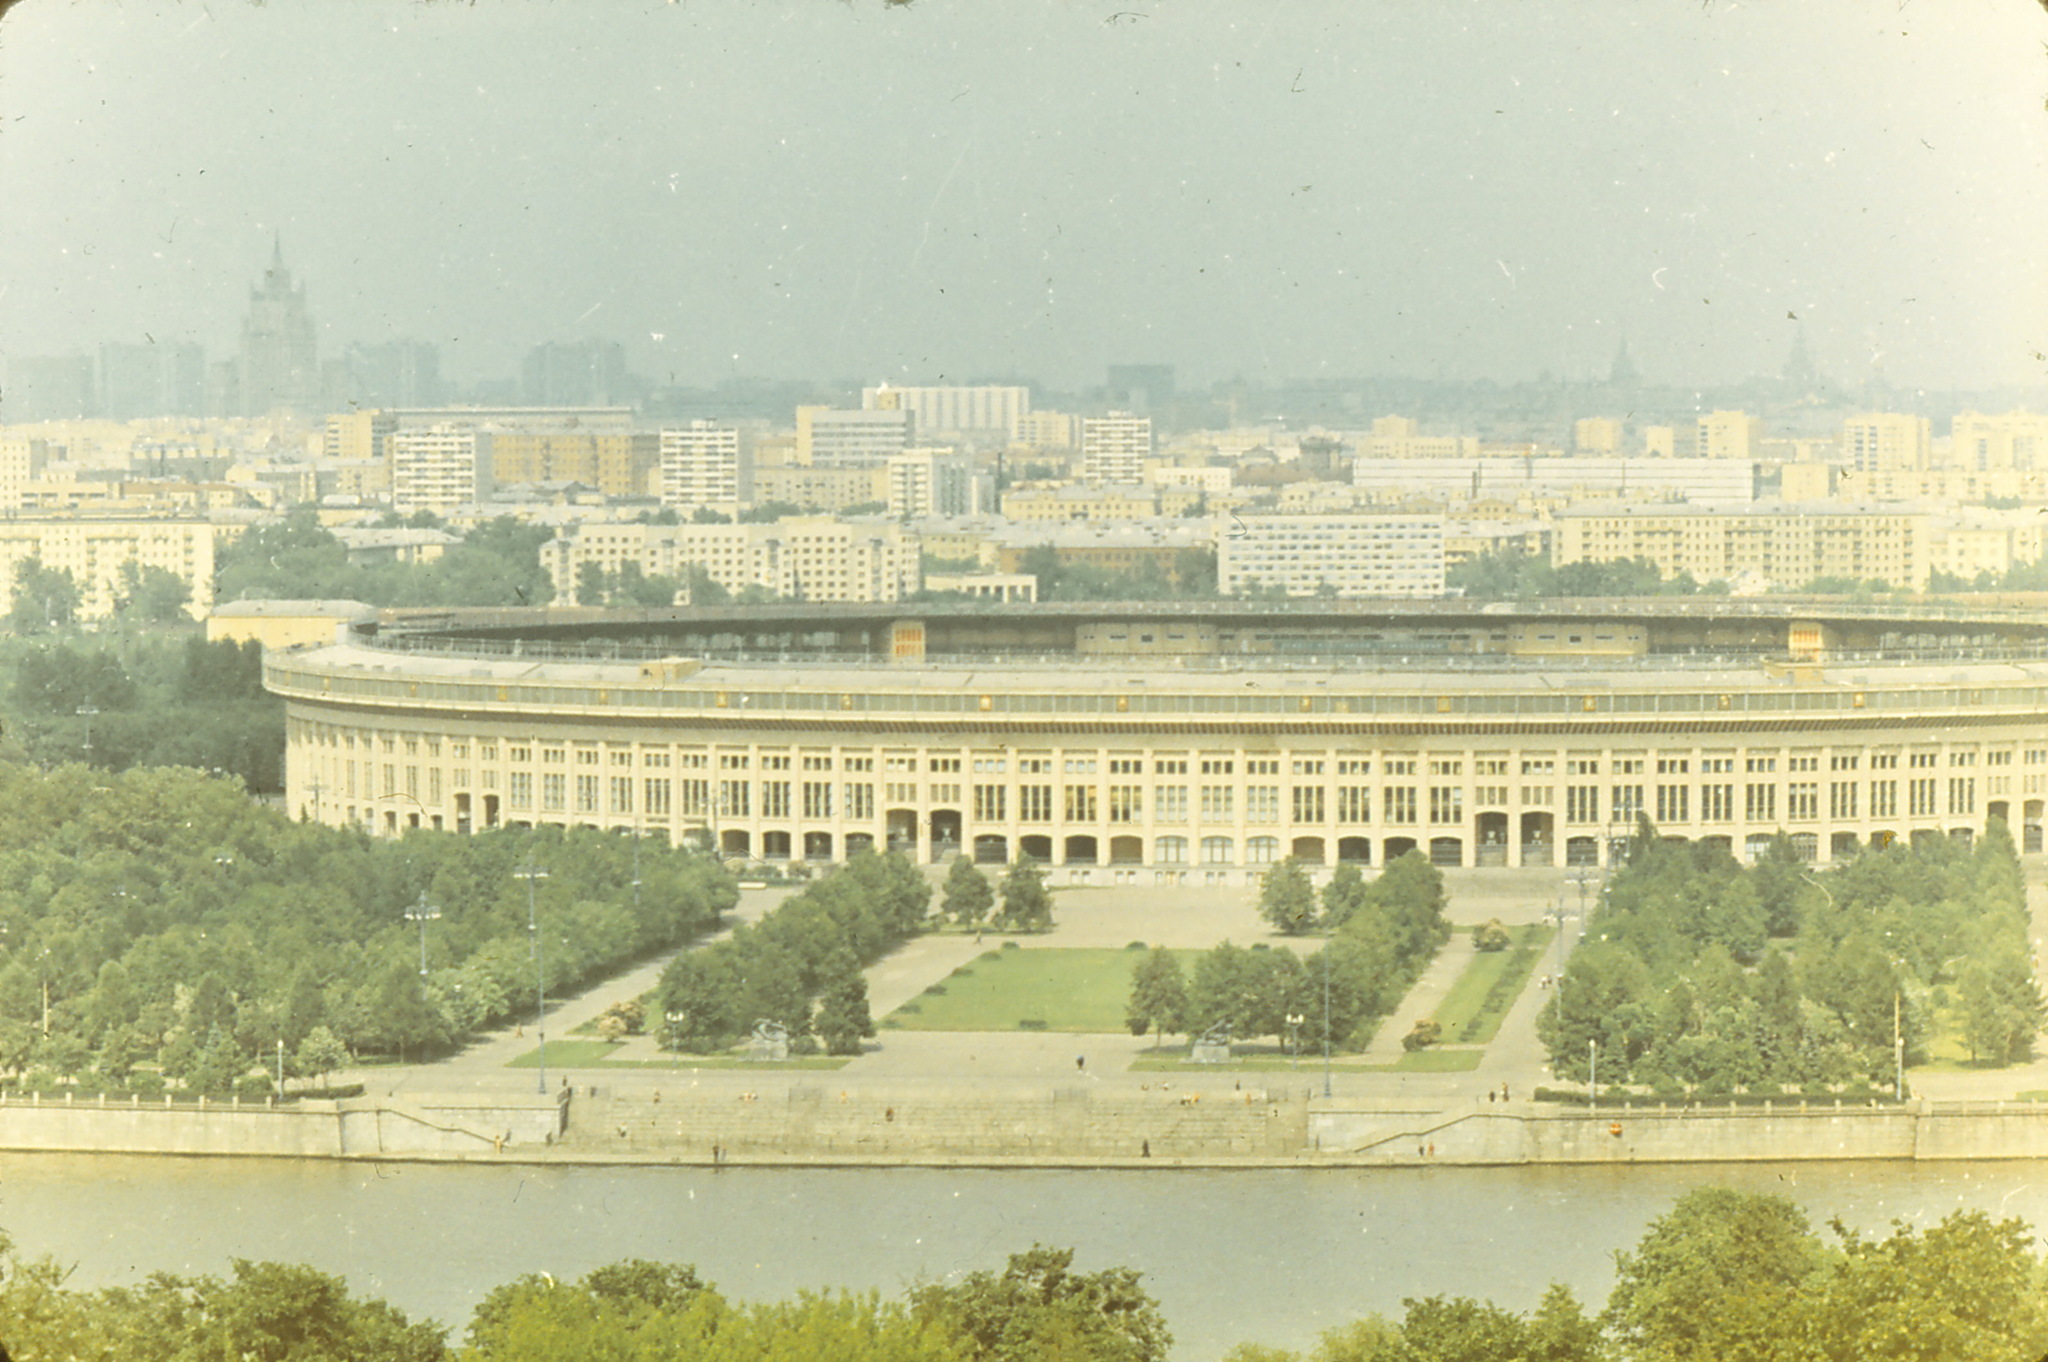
{"type": "Point", "coordinates": [1156, 742]}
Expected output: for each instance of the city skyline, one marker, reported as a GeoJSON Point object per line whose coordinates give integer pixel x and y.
{"type": "Point", "coordinates": [918, 195]}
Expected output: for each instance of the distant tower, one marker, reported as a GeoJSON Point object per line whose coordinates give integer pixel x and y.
{"type": "Point", "coordinates": [280, 364]}
{"type": "Point", "coordinates": [1800, 373]}
{"type": "Point", "coordinates": [1623, 373]}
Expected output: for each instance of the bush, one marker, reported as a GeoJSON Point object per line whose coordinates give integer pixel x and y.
{"type": "Point", "coordinates": [254, 1087]}
{"type": "Point", "coordinates": [1009, 946]}
{"type": "Point", "coordinates": [1424, 1034]}
{"type": "Point", "coordinates": [1137, 946]}
{"type": "Point", "coordinates": [1032, 1024]}
{"type": "Point", "coordinates": [146, 1083]}
{"type": "Point", "coordinates": [1490, 936]}
{"type": "Point", "coordinates": [934, 990]}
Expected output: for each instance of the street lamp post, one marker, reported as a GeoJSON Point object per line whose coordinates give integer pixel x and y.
{"type": "Point", "coordinates": [531, 872]}
{"type": "Point", "coordinates": [1592, 1073]}
{"type": "Point", "coordinates": [1294, 1021]}
{"type": "Point", "coordinates": [423, 913]}
{"type": "Point", "coordinates": [1326, 1017]}
{"type": "Point", "coordinates": [86, 713]}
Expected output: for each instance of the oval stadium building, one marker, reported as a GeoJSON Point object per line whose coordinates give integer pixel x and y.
{"type": "Point", "coordinates": [1186, 742]}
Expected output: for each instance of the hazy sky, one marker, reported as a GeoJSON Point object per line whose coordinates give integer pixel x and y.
{"type": "Point", "coordinates": [947, 190]}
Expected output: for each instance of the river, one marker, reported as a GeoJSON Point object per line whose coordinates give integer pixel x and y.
{"type": "Point", "coordinates": [1270, 1256]}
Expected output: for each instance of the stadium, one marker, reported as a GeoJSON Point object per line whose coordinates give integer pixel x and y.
{"type": "Point", "coordinates": [1186, 742]}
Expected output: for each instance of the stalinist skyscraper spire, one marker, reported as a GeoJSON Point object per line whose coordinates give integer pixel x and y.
{"type": "Point", "coordinates": [280, 363]}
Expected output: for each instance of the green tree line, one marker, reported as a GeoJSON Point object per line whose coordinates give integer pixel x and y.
{"type": "Point", "coordinates": [1722, 1276]}
{"type": "Point", "coordinates": [156, 924]}
{"type": "Point", "coordinates": [799, 966]}
{"type": "Point", "coordinates": [1036, 1307]}
{"type": "Point", "coordinates": [1699, 973]}
{"type": "Point", "coordinates": [159, 697]}
{"type": "Point", "coordinates": [297, 558]}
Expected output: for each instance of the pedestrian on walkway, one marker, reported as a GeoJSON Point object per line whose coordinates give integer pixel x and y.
{"type": "Point", "coordinates": [1080, 1061]}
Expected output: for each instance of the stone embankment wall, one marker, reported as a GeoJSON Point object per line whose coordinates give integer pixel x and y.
{"type": "Point", "coordinates": [360, 1127]}
{"type": "Point", "coordinates": [821, 1122]}
{"type": "Point", "coordinates": [1918, 1130]}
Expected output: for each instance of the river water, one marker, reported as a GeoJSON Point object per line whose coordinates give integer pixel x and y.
{"type": "Point", "coordinates": [1270, 1256]}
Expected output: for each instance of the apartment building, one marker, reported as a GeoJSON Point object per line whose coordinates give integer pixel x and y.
{"type": "Point", "coordinates": [1344, 555]}
{"type": "Point", "coordinates": [700, 465]}
{"type": "Point", "coordinates": [1115, 448]}
{"type": "Point", "coordinates": [439, 468]}
{"type": "Point", "coordinates": [1777, 544]}
{"type": "Point", "coordinates": [809, 558]}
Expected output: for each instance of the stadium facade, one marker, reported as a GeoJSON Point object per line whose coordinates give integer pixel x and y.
{"type": "Point", "coordinates": [1186, 742]}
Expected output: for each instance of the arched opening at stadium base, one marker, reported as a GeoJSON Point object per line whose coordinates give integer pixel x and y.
{"type": "Point", "coordinates": [1754, 846]}
{"type": "Point", "coordinates": [857, 842]}
{"type": "Point", "coordinates": [1447, 851]}
{"type": "Point", "coordinates": [1539, 835]}
{"type": "Point", "coordinates": [900, 827]}
{"type": "Point", "coordinates": [1394, 848]}
{"type": "Point", "coordinates": [1170, 850]}
{"type": "Point", "coordinates": [1126, 851]}
{"type": "Point", "coordinates": [1844, 845]}
{"type": "Point", "coordinates": [734, 842]}
{"type": "Point", "coordinates": [2030, 826]}
{"type": "Point", "coordinates": [1080, 850]}
{"type": "Point", "coordinates": [1720, 842]}
{"type": "Point", "coordinates": [1999, 809]}
{"type": "Point", "coordinates": [1881, 839]}
{"type": "Point", "coordinates": [1307, 850]}
{"type": "Point", "coordinates": [1962, 837]}
{"type": "Point", "coordinates": [1493, 838]}
{"type": "Point", "coordinates": [1354, 851]}
{"type": "Point", "coordinates": [1922, 838]}
{"type": "Point", "coordinates": [490, 811]}
{"type": "Point", "coordinates": [1582, 851]}
{"type": "Point", "coordinates": [775, 846]}
{"type": "Point", "coordinates": [945, 833]}
{"type": "Point", "coordinates": [1806, 847]}
{"type": "Point", "coordinates": [991, 848]}
{"type": "Point", "coordinates": [1038, 848]}
{"type": "Point", "coordinates": [817, 846]}
{"type": "Point", "coordinates": [462, 811]}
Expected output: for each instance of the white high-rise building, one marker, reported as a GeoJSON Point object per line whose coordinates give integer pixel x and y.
{"type": "Point", "coordinates": [1114, 448]}
{"type": "Point", "coordinates": [1348, 555]}
{"type": "Point", "coordinates": [927, 482]}
{"type": "Point", "coordinates": [960, 410]}
{"type": "Point", "coordinates": [439, 468]}
{"type": "Point", "coordinates": [828, 437]}
{"type": "Point", "coordinates": [700, 465]}
{"type": "Point", "coordinates": [1886, 442]}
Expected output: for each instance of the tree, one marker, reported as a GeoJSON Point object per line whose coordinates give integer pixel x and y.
{"type": "Point", "coordinates": [1343, 896]}
{"type": "Point", "coordinates": [153, 594]}
{"type": "Point", "coordinates": [1026, 904]}
{"type": "Point", "coordinates": [843, 1020]}
{"type": "Point", "coordinates": [967, 896]}
{"type": "Point", "coordinates": [320, 1054]}
{"type": "Point", "coordinates": [593, 583]}
{"type": "Point", "coordinates": [44, 598]}
{"type": "Point", "coordinates": [1159, 994]}
{"type": "Point", "coordinates": [1287, 900]}
{"type": "Point", "coordinates": [1038, 1308]}
{"type": "Point", "coordinates": [1716, 1277]}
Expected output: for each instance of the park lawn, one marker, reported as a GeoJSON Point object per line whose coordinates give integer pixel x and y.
{"type": "Point", "coordinates": [1435, 1059]}
{"type": "Point", "coordinates": [1055, 988]}
{"type": "Point", "coordinates": [597, 1054]}
{"type": "Point", "coordinates": [1489, 985]}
